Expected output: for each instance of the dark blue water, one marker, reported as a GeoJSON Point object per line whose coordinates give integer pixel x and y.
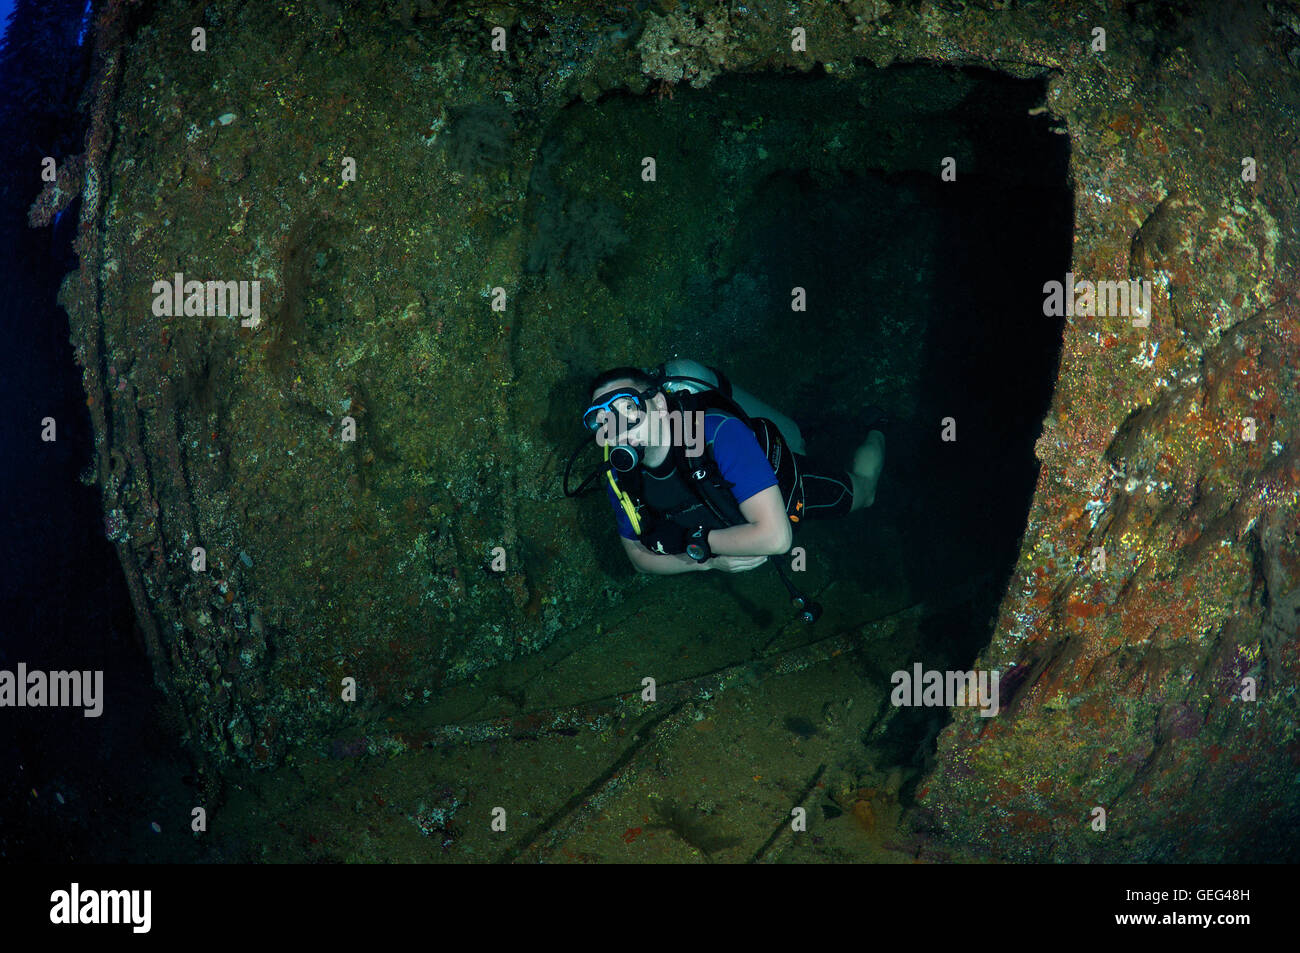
{"type": "Point", "coordinates": [73, 788]}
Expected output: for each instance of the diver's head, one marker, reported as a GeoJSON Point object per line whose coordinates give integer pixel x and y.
{"type": "Point", "coordinates": [626, 410]}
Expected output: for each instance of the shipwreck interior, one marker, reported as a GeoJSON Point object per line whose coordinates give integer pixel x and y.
{"type": "Point", "coordinates": [920, 210]}
{"type": "Point", "coordinates": [925, 300]}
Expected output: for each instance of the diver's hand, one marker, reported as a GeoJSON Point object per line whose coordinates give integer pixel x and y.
{"type": "Point", "coordinates": [736, 563]}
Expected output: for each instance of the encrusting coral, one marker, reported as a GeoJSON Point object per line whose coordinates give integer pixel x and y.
{"type": "Point", "coordinates": [684, 45]}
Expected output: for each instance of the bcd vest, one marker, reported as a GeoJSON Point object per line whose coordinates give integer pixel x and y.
{"type": "Point", "coordinates": [693, 492]}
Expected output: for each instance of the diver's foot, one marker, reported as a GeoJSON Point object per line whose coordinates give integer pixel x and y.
{"type": "Point", "coordinates": [868, 461]}
{"type": "Point", "coordinates": [869, 458]}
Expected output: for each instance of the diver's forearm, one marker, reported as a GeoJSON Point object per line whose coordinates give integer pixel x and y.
{"type": "Point", "coordinates": [747, 539]}
{"type": "Point", "coordinates": [663, 565]}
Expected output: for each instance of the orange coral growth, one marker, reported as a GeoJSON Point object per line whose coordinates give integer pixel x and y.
{"type": "Point", "coordinates": [1083, 609]}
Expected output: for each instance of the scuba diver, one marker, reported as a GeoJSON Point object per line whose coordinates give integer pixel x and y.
{"type": "Point", "coordinates": [723, 488]}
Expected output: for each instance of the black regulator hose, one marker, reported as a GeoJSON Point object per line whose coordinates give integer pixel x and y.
{"type": "Point", "coordinates": [568, 468]}
{"type": "Point", "coordinates": [809, 611]}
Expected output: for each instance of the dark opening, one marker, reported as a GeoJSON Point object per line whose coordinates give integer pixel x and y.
{"type": "Point", "coordinates": [924, 298]}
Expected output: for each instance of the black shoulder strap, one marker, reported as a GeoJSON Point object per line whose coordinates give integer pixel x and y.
{"type": "Point", "coordinates": [703, 473]}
